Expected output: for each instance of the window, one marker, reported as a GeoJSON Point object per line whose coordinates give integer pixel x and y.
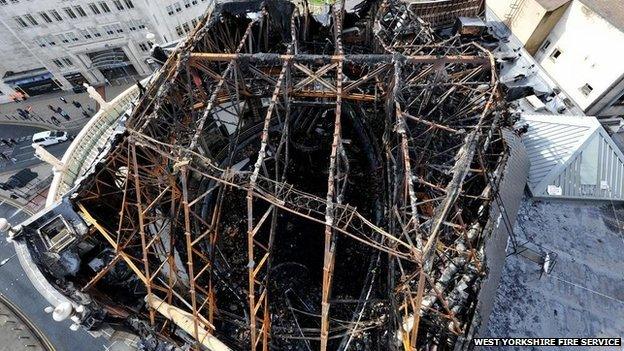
{"type": "Point", "coordinates": [85, 33]}
{"type": "Point", "coordinates": [118, 5]}
{"type": "Point", "coordinates": [186, 27]}
{"type": "Point", "coordinates": [129, 4]}
{"type": "Point", "coordinates": [545, 45]}
{"type": "Point", "coordinates": [58, 63]}
{"type": "Point", "coordinates": [555, 54]}
{"type": "Point", "coordinates": [586, 89]}
{"type": "Point", "coordinates": [178, 8]}
{"type": "Point", "coordinates": [41, 42]}
{"type": "Point", "coordinates": [194, 2]}
{"type": "Point", "coordinates": [109, 30]}
{"type": "Point", "coordinates": [117, 28]}
{"type": "Point", "coordinates": [144, 47]}
{"type": "Point", "coordinates": [194, 22]}
{"type": "Point", "coordinates": [69, 12]}
{"type": "Point", "coordinates": [21, 22]}
{"type": "Point", "coordinates": [94, 8]}
{"type": "Point", "coordinates": [96, 32]}
{"type": "Point", "coordinates": [67, 61]}
{"type": "Point", "coordinates": [187, 3]}
{"type": "Point", "coordinates": [619, 101]}
{"type": "Point", "coordinates": [56, 15]}
{"type": "Point", "coordinates": [104, 7]}
{"type": "Point", "coordinates": [45, 17]}
{"type": "Point", "coordinates": [135, 24]}
{"type": "Point", "coordinates": [170, 10]}
{"type": "Point", "coordinates": [51, 40]}
{"type": "Point", "coordinates": [3, 2]}
{"type": "Point", "coordinates": [72, 36]}
{"type": "Point", "coordinates": [63, 38]}
{"type": "Point", "coordinates": [31, 19]}
{"type": "Point", "coordinates": [179, 31]}
{"type": "Point", "coordinates": [80, 11]}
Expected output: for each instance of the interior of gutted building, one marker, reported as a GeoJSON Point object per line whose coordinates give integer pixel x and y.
{"type": "Point", "coordinates": [295, 181]}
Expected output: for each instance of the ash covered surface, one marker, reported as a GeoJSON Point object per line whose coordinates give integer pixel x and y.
{"type": "Point", "coordinates": [583, 296]}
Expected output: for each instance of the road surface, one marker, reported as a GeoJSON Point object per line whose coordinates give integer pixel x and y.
{"type": "Point", "coordinates": [15, 285]}
{"type": "Point", "coordinates": [22, 154]}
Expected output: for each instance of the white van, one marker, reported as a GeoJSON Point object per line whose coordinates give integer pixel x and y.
{"type": "Point", "coordinates": [50, 137]}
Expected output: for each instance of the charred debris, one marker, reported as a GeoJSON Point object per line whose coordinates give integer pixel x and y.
{"type": "Point", "coordinates": [294, 181]}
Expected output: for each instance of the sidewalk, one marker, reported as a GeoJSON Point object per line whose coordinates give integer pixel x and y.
{"type": "Point", "coordinates": [41, 114]}
{"type": "Point", "coordinates": [33, 196]}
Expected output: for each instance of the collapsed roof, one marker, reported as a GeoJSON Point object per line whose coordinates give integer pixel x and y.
{"type": "Point", "coordinates": [284, 184]}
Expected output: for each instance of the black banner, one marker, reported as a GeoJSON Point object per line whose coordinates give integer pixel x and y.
{"type": "Point", "coordinates": [555, 342]}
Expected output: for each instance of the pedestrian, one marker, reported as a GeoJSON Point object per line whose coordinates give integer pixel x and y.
{"type": "Point", "coordinates": [86, 114]}
{"type": "Point", "coordinates": [76, 104]}
{"type": "Point", "coordinates": [58, 110]}
{"type": "Point", "coordinates": [52, 108]}
{"type": "Point", "coordinates": [63, 99]}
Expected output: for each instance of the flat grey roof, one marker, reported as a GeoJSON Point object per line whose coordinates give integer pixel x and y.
{"type": "Point", "coordinates": [583, 296]}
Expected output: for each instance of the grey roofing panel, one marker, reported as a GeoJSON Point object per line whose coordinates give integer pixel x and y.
{"type": "Point", "coordinates": [551, 141]}
{"type": "Point", "coordinates": [611, 10]}
{"type": "Point", "coordinates": [554, 145]}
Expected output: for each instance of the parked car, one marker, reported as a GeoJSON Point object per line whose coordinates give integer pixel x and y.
{"type": "Point", "coordinates": [19, 179]}
{"type": "Point", "coordinates": [50, 137]}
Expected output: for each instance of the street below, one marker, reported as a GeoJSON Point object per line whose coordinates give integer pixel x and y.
{"type": "Point", "coordinates": [16, 286]}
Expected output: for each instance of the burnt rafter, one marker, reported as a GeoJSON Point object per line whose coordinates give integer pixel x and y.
{"type": "Point", "coordinates": [287, 182]}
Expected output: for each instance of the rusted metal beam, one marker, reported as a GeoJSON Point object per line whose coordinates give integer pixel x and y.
{"type": "Point", "coordinates": [351, 58]}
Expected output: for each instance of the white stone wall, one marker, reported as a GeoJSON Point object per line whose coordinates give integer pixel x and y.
{"type": "Point", "coordinates": [591, 53]}
{"type": "Point", "coordinates": [21, 47]}
{"type": "Point", "coordinates": [526, 19]}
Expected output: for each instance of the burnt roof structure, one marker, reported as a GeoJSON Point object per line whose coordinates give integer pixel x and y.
{"type": "Point", "coordinates": [288, 185]}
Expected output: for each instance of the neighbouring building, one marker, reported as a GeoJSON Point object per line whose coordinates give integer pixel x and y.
{"type": "Point", "coordinates": [578, 43]}
{"type": "Point", "coordinates": [583, 53]}
{"type": "Point", "coordinates": [49, 45]}
{"type": "Point", "coordinates": [530, 20]}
